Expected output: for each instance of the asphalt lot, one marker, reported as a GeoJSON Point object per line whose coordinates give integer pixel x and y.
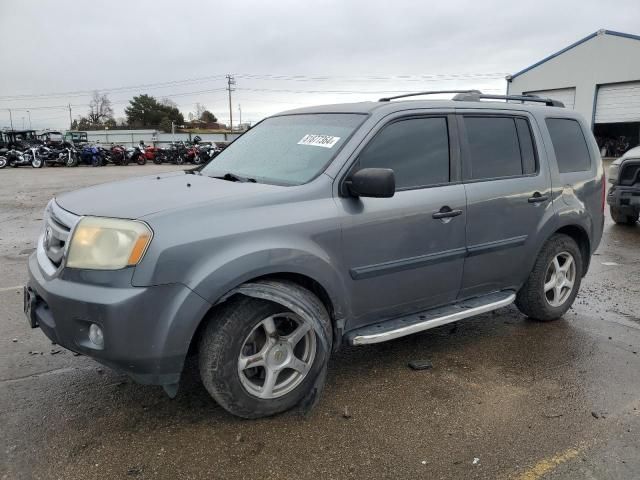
{"type": "Point", "coordinates": [506, 398]}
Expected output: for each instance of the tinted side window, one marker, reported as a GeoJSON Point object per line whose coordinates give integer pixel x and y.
{"type": "Point", "coordinates": [416, 149]}
{"type": "Point", "coordinates": [527, 150]}
{"type": "Point", "coordinates": [572, 153]}
{"type": "Point", "coordinates": [493, 147]}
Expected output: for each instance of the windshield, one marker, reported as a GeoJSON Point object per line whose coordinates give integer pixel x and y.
{"type": "Point", "coordinates": [289, 150]}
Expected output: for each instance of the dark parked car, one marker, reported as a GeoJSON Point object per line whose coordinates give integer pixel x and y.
{"type": "Point", "coordinates": [341, 224]}
{"type": "Point", "coordinates": [624, 195]}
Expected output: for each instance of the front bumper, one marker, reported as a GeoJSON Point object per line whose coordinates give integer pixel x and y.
{"type": "Point", "coordinates": [147, 330]}
{"type": "Point", "coordinates": [626, 199]}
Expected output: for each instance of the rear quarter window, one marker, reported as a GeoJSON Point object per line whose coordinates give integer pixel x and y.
{"type": "Point", "coordinates": [569, 145]}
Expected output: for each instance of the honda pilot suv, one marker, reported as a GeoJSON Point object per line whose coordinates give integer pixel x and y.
{"type": "Point", "coordinates": [343, 224]}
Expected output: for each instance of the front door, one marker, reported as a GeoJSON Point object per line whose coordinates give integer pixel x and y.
{"type": "Point", "coordinates": [508, 199]}
{"type": "Point", "coordinates": [406, 253]}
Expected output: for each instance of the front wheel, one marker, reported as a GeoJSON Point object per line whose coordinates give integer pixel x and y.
{"type": "Point", "coordinates": [3, 161]}
{"type": "Point", "coordinates": [36, 162]}
{"type": "Point", "coordinates": [621, 218]}
{"type": "Point", "coordinates": [72, 161]}
{"type": "Point", "coordinates": [258, 358]}
{"type": "Point", "coordinates": [141, 160]}
{"type": "Point", "coordinates": [554, 282]}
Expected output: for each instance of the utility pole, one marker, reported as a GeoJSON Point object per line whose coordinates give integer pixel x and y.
{"type": "Point", "coordinates": [29, 113]}
{"type": "Point", "coordinates": [70, 119]}
{"type": "Point", "coordinates": [230, 82]}
{"type": "Point", "coordinates": [239, 116]}
{"type": "Point", "coordinates": [10, 118]}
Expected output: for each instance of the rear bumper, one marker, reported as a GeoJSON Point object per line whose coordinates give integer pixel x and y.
{"type": "Point", "coordinates": [147, 330]}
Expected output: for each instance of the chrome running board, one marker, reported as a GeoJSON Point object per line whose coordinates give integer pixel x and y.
{"type": "Point", "coordinates": [418, 322]}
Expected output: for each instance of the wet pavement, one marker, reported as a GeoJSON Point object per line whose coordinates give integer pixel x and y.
{"type": "Point", "coordinates": [506, 397]}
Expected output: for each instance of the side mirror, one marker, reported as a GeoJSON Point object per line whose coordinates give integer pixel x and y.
{"type": "Point", "coordinates": [372, 182]}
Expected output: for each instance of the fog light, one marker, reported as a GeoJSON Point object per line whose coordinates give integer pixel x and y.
{"type": "Point", "coordinates": [95, 335]}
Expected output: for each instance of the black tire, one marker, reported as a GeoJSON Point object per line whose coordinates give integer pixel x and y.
{"type": "Point", "coordinates": [622, 219]}
{"type": "Point", "coordinates": [141, 160]}
{"type": "Point", "coordinates": [221, 343]}
{"type": "Point", "coordinates": [531, 300]}
{"type": "Point", "coordinates": [3, 161]}
{"type": "Point", "coordinates": [179, 160]}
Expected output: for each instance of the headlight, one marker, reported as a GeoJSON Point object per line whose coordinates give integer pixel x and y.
{"type": "Point", "coordinates": [614, 171]}
{"type": "Point", "coordinates": [108, 243]}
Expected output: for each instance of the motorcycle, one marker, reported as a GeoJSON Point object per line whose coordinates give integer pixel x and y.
{"type": "Point", "coordinates": [91, 155]}
{"type": "Point", "coordinates": [16, 158]}
{"type": "Point", "coordinates": [175, 153]}
{"type": "Point", "coordinates": [66, 156]}
{"type": "Point", "coordinates": [119, 155]}
{"type": "Point", "coordinates": [135, 154]}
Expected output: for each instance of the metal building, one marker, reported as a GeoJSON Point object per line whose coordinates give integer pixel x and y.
{"type": "Point", "coordinates": [599, 76]}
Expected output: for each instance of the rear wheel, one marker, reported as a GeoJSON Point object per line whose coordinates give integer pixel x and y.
{"type": "Point", "coordinates": [554, 282]}
{"type": "Point", "coordinates": [257, 358]}
{"type": "Point", "coordinates": [621, 218]}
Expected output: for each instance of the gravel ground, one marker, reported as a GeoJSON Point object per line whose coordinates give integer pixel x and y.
{"type": "Point", "coordinates": [506, 397]}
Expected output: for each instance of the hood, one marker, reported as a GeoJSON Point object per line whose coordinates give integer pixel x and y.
{"type": "Point", "coordinates": [141, 196]}
{"type": "Point", "coordinates": [633, 153]}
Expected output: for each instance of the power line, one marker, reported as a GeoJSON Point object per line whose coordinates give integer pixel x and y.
{"type": "Point", "coordinates": [274, 77]}
{"type": "Point", "coordinates": [111, 90]}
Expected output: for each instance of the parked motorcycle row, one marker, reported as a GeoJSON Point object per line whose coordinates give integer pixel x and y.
{"type": "Point", "coordinates": [69, 155]}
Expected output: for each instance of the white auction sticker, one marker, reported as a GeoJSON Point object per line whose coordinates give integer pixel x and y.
{"type": "Point", "coordinates": [326, 141]}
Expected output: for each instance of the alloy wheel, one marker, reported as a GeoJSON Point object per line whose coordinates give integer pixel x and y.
{"type": "Point", "coordinates": [276, 356]}
{"type": "Point", "coordinates": [560, 279]}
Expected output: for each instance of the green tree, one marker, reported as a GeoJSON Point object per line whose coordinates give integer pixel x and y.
{"type": "Point", "coordinates": [145, 111]}
{"type": "Point", "coordinates": [208, 117]}
{"type": "Point", "coordinates": [165, 125]}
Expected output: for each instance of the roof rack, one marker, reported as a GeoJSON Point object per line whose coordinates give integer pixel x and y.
{"type": "Point", "coordinates": [476, 96]}
{"type": "Point", "coordinates": [432, 92]}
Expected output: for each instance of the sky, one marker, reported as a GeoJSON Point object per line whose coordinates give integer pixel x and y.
{"type": "Point", "coordinates": [283, 53]}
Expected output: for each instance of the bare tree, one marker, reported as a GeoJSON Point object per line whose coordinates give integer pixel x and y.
{"type": "Point", "coordinates": [199, 110]}
{"type": "Point", "coordinates": [167, 102]}
{"type": "Point", "coordinates": [100, 109]}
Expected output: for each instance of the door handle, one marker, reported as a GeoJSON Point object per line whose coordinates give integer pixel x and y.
{"type": "Point", "coordinates": [538, 198]}
{"type": "Point", "coordinates": [446, 212]}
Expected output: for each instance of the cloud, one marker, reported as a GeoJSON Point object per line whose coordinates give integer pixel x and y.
{"type": "Point", "coordinates": [83, 45]}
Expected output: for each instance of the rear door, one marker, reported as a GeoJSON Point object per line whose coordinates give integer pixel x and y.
{"type": "Point", "coordinates": [508, 193]}
{"type": "Point", "coordinates": [401, 255]}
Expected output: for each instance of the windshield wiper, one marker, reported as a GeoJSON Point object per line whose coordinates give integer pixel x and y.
{"type": "Point", "coordinates": [232, 177]}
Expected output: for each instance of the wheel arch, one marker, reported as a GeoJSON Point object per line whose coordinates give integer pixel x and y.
{"type": "Point", "coordinates": [581, 237]}
{"type": "Point", "coordinates": [331, 303]}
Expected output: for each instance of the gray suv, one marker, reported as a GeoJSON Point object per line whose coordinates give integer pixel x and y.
{"type": "Point", "coordinates": [342, 224]}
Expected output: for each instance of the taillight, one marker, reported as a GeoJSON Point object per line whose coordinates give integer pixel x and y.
{"type": "Point", "coordinates": [604, 191]}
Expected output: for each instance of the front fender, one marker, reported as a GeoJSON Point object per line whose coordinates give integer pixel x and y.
{"type": "Point", "coordinates": [218, 276]}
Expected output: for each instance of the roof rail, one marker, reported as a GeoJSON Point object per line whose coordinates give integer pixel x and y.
{"type": "Point", "coordinates": [432, 92]}
{"type": "Point", "coordinates": [476, 97]}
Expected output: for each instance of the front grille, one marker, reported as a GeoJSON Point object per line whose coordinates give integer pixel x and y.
{"type": "Point", "coordinates": [58, 226]}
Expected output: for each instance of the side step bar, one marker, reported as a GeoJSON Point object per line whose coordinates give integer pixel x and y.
{"type": "Point", "coordinates": [418, 322]}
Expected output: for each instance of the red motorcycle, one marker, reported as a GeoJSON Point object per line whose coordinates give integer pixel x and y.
{"type": "Point", "coordinates": [153, 154]}
{"type": "Point", "coordinates": [119, 155]}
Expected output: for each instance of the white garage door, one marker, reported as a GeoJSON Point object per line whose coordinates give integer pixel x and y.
{"type": "Point", "coordinates": [564, 95]}
{"type": "Point", "coordinates": [618, 103]}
